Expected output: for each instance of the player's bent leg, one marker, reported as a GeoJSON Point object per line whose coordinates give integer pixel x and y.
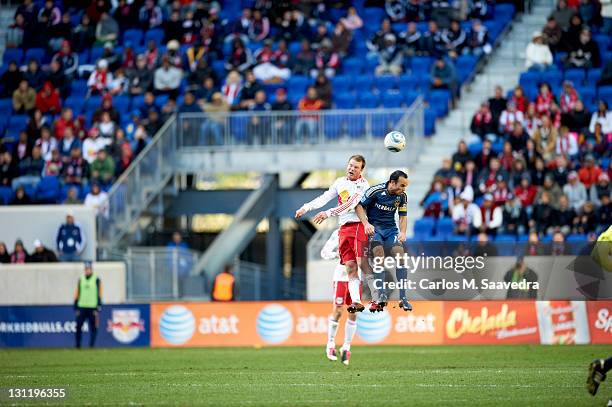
{"type": "Point", "coordinates": [378, 251]}
{"type": "Point", "coordinates": [354, 286]}
{"type": "Point", "coordinates": [350, 328]}
{"type": "Point", "coordinates": [401, 275]}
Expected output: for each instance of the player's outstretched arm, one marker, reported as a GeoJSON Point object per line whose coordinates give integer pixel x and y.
{"type": "Point", "coordinates": [318, 202]}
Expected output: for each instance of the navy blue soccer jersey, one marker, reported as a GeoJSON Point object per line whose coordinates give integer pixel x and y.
{"type": "Point", "coordinates": [380, 206]}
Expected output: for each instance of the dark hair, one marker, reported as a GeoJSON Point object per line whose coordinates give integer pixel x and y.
{"type": "Point", "coordinates": [397, 174]}
{"type": "Point", "coordinates": [358, 158]}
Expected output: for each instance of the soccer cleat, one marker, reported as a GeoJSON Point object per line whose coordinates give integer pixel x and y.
{"type": "Point", "coordinates": [381, 306]}
{"type": "Point", "coordinates": [346, 357]}
{"type": "Point", "coordinates": [373, 306]}
{"type": "Point", "coordinates": [596, 376]}
{"type": "Point", "coordinates": [331, 354]}
{"type": "Point", "coordinates": [355, 307]}
{"type": "Point", "coordinates": [405, 305]}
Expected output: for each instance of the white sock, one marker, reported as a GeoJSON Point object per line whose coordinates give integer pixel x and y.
{"type": "Point", "coordinates": [349, 332]}
{"type": "Point", "coordinates": [369, 279]}
{"type": "Point", "coordinates": [332, 327]}
{"type": "Point", "coordinates": [354, 285]}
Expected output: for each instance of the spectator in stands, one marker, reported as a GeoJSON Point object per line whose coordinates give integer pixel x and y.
{"type": "Point", "coordinates": [46, 142]}
{"type": "Point", "coordinates": [10, 79]}
{"type": "Point", "coordinates": [20, 198]}
{"type": "Point", "coordinates": [590, 172]}
{"type": "Point", "coordinates": [341, 39]}
{"type": "Point", "coordinates": [173, 52]}
{"type": "Point", "coordinates": [564, 217]}
{"type": "Point", "coordinates": [560, 170]}
{"type": "Point", "coordinates": [550, 188]}
{"type": "Point", "coordinates": [352, 21]}
{"type": "Point", "coordinates": [587, 219]}
{"type": "Point", "coordinates": [390, 57]}
{"type": "Point", "coordinates": [604, 212]}
{"type": "Point", "coordinates": [470, 176]}
{"type": "Point", "coordinates": [579, 119]}
{"type": "Point", "coordinates": [483, 158]}
{"type": "Point", "coordinates": [477, 42]}
{"type": "Point", "coordinates": [60, 32]}
{"type": "Point", "coordinates": [514, 217]}
{"type": "Point", "coordinates": [575, 191]}
{"type": "Point", "coordinates": [455, 39]}
{"type": "Point", "coordinates": [106, 126]}
{"type": "Point", "coordinates": [76, 169]}
{"type": "Point", "coordinates": [519, 99]}
{"type": "Point", "coordinates": [506, 158]}
{"type": "Point", "coordinates": [545, 138]}
{"type": "Point", "coordinates": [568, 97]}
{"type": "Point", "coordinates": [304, 62]}
{"type": "Point", "coordinates": [248, 91]}
{"type": "Point", "coordinates": [167, 79]}
{"type": "Point", "coordinates": [152, 55]}
{"type": "Point", "coordinates": [324, 90]}
{"type": "Point", "coordinates": [600, 189]}
{"type": "Point", "coordinates": [24, 98]}
{"type": "Point", "coordinates": [542, 215]}
{"type": "Point", "coordinates": [603, 116]}
{"type": "Point", "coordinates": [283, 124]}
{"type": "Point", "coordinates": [56, 77]}
{"type": "Point", "coordinates": [189, 104]}
{"type": "Point", "coordinates": [327, 60]}
{"type": "Point", "coordinates": [124, 159]}
{"type": "Point", "coordinates": [48, 99]}
{"type": "Point", "coordinates": [489, 218]}
{"type": "Point", "coordinates": [483, 124]}
{"type": "Point", "coordinates": [70, 240]}
{"type": "Point", "coordinates": [497, 103]}
{"type": "Point", "coordinates": [30, 169]}
{"type": "Point", "coordinates": [107, 29]}
{"type": "Point", "coordinates": [240, 28]}
{"type": "Point", "coordinates": [19, 255]}
{"type": "Point", "coordinates": [93, 144]}
{"type": "Point", "coordinates": [443, 76]}
{"type": "Point", "coordinates": [454, 190]}
{"type": "Point", "coordinates": [531, 154]}
{"type": "Point", "coordinates": [15, 32]}
{"type": "Point", "coordinates": [567, 143]}
{"type": "Point", "coordinates": [464, 214]}
{"type": "Point", "coordinates": [150, 15]}
{"type": "Point", "coordinates": [518, 138]}
{"type": "Point", "coordinates": [177, 241]}
{"type": "Point", "coordinates": [436, 200]}
{"type": "Point", "coordinates": [72, 197]}
{"type": "Point", "coordinates": [41, 254]}
{"type": "Point", "coordinates": [259, 127]}
{"type": "Point", "coordinates": [83, 35]}
{"type": "Point", "coordinates": [215, 125]}
{"type": "Point", "coordinates": [563, 14]}
{"type": "Point", "coordinates": [53, 166]}
{"type": "Point", "coordinates": [97, 200]}
{"type": "Point", "coordinates": [552, 34]}
{"type": "Point", "coordinates": [306, 125]}
{"type": "Point", "coordinates": [5, 257]}
{"type": "Point", "coordinates": [101, 78]}
{"type": "Point", "coordinates": [538, 55]}
{"type": "Point", "coordinates": [432, 43]}
{"type": "Point", "coordinates": [140, 78]}
{"type": "Point", "coordinates": [410, 40]}
{"type": "Point", "coordinates": [545, 100]}
{"type": "Point", "coordinates": [69, 142]}
{"type": "Point", "coordinates": [585, 53]}
{"type": "Point", "coordinates": [259, 27]}
{"type": "Point", "coordinates": [376, 43]}
{"type": "Point", "coordinates": [509, 117]}
{"type": "Point", "coordinates": [267, 69]}
{"type": "Point", "coordinates": [519, 273]}
{"type": "Point", "coordinates": [240, 58]}
{"type": "Point", "coordinates": [8, 169]}
{"type": "Point", "coordinates": [103, 168]}
{"type": "Point", "coordinates": [526, 191]}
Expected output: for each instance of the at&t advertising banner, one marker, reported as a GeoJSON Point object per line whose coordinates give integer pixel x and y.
{"type": "Point", "coordinates": [286, 323]}
{"type": "Point", "coordinates": [55, 326]}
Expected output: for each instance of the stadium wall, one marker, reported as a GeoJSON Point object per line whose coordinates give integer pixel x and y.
{"type": "Point", "coordinates": [30, 283]}
{"type": "Point", "coordinates": [199, 324]}
{"type": "Point", "coordinates": [42, 222]}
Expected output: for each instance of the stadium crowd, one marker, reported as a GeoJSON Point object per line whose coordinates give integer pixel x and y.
{"type": "Point", "coordinates": [538, 163]}
{"type": "Point", "coordinates": [85, 85]}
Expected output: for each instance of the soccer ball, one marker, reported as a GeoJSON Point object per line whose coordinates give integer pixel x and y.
{"type": "Point", "coordinates": [395, 141]}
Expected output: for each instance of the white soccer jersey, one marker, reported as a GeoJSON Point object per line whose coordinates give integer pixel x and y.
{"type": "Point", "coordinates": [330, 252]}
{"type": "Point", "coordinates": [347, 192]}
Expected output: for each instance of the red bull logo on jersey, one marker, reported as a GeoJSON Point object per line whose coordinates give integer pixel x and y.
{"type": "Point", "coordinates": [126, 325]}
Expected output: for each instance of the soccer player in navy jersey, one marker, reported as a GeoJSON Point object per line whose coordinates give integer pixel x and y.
{"type": "Point", "coordinates": [377, 210]}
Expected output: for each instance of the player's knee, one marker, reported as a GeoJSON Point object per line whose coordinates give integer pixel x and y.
{"type": "Point", "coordinates": [378, 250]}
{"type": "Point", "coordinates": [337, 313]}
{"type": "Point", "coordinates": [397, 249]}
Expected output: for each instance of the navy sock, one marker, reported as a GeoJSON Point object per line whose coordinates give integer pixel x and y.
{"type": "Point", "coordinates": [401, 274]}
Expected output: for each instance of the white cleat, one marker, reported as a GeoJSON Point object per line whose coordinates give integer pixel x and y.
{"type": "Point", "coordinates": [331, 354]}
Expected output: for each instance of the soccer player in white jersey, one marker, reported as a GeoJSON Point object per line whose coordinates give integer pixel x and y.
{"type": "Point", "coordinates": [341, 297]}
{"type": "Point", "coordinates": [348, 190]}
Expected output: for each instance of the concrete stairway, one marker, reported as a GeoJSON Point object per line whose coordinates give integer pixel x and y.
{"type": "Point", "coordinates": [6, 19]}
{"type": "Point", "coordinates": [504, 68]}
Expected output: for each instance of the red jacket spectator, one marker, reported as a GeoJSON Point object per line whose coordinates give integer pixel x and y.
{"type": "Point", "coordinates": [589, 174]}
{"type": "Point", "coordinates": [48, 99]}
{"type": "Point", "coordinates": [519, 99]}
{"type": "Point", "coordinates": [568, 98]}
{"type": "Point", "coordinates": [545, 100]}
{"type": "Point", "coordinates": [526, 194]}
{"type": "Point", "coordinates": [66, 120]}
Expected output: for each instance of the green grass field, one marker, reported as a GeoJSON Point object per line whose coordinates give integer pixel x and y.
{"type": "Point", "coordinates": [378, 376]}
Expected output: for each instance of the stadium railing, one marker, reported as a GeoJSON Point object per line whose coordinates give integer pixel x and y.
{"type": "Point", "coordinates": [160, 273]}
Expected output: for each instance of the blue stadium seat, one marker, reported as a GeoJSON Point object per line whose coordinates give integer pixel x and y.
{"type": "Point", "coordinates": [408, 83]}
{"type": "Point", "coordinates": [603, 41]}
{"type": "Point", "coordinates": [34, 54]}
{"type": "Point", "coordinates": [355, 126]}
{"type": "Point", "coordinates": [96, 53]}
{"type": "Point", "coordinates": [18, 121]}
{"type": "Point", "coordinates": [218, 68]}
{"type": "Point", "coordinates": [576, 76]}
{"type": "Point", "coordinates": [605, 93]}
{"type": "Point", "coordinates": [445, 226]}
{"type": "Point", "coordinates": [529, 79]}
{"type": "Point", "coordinates": [332, 126]}
{"type": "Point", "coordinates": [372, 16]}
{"type": "Point", "coordinates": [134, 36]}
{"type": "Point", "coordinates": [78, 88]}
{"type": "Point", "coordinates": [156, 35]}
{"type": "Point", "coordinates": [93, 102]}
{"type": "Point", "coordinates": [48, 189]}
{"type": "Point", "coordinates": [588, 95]}
{"type": "Point", "coordinates": [439, 99]}
{"type": "Point", "coordinates": [368, 100]}
{"type": "Point", "coordinates": [505, 238]}
{"type": "Point", "coordinates": [238, 128]}
{"type": "Point", "coordinates": [392, 99]}
{"type": "Point", "coordinates": [11, 54]}
{"type": "Point", "coordinates": [364, 83]}
{"type": "Point", "coordinates": [294, 47]}
{"type": "Point", "coordinates": [298, 83]}
{"type": "Point", "coordinates": [576, 238]}
{"type": "Point", "coordinates": [553, 77]}
{"type": "Point", "coordinates": [352, 66]}
{"type": "Point", "coordinates": [344, 100]}
{"type": "Point", "coordinates": [84, 57]}
{"type": "Point", "coordinates": [6, 194]}
{"type": "Point", "coordinates": [75, 102]}
{"type": "Point", "coordinates": [593, 75]}
{"type": "Point", "coordinates": [371, 64]}
{"type": "Point", "coordinates": [430, 121]}
{"type": "Point", "coordinates": [424, 226]}
{"type": "Point", "coordinates": [122, 103]}
{"type": "Point", "coordinates": [6, 107]}
{"type": "Point", "coordinates": [342, 83]}
{"type": "Point", "coordinates": [410, 96]}
{"type": "Point", "coordinates": [385, 83]}
{"type": "Point", "coordinates": [161, 100]}
{"type": "Point", "coordinates": [384, 123]}
{"type": "Point", "coordinates": [420, 65]}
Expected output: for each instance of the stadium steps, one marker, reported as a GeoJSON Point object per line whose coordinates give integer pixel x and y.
{"type": "Point", "coordinates": [504, 67]}
{"type": "Point", "coordinates": [6, 19]}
